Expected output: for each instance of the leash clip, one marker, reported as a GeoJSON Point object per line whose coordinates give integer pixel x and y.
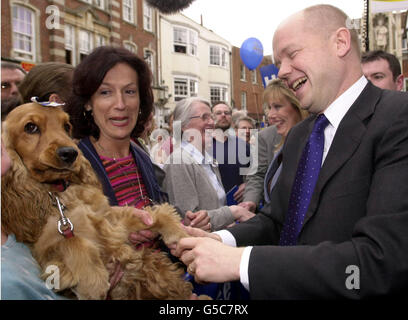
{"type": "Point", "coordinates": [65, 226]}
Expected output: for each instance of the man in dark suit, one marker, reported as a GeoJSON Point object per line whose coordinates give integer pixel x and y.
{"type": "Point", "coordinates": [353, 240]}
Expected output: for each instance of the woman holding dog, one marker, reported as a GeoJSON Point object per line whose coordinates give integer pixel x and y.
{"type": "Point", "coordinates": [111, 101]}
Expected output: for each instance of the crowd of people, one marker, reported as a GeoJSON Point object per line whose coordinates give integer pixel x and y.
{"type": "Point", "coordinates": [327, 189]}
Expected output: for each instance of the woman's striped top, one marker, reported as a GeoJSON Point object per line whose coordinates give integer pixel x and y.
{"type": "Point", "coordinates": [127, 181]}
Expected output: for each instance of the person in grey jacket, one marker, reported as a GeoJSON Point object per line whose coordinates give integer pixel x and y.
{"type": "Point", "coordinates": [192, 179]}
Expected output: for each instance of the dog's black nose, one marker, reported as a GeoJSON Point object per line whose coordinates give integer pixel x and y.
{"type": "Point", "coordinates": [67, 154]}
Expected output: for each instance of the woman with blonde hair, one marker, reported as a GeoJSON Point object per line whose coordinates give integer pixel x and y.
{"type": "Point", "coordinates": [283, 111]}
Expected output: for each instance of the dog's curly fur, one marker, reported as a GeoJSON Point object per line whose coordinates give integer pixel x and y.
{"type": "Point", "coordinates": [33, 134]}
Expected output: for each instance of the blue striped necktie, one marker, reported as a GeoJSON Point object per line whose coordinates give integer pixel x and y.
{"type": "Point", "coordinates": [305, 182]}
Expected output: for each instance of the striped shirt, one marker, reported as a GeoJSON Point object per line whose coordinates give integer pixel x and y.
{"type": "Point", "coordinates": [126, 181]}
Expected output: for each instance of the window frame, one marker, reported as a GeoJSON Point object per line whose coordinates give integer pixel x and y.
{"type": "Point", "coordinates": [130, 4]}
{"type": "Point", "coordinates": [99, 37]}
{"type": "Point", "coordinates": [190, 41]}
{"type": "Point", "coordinates": [254, 76]}
{"type": "Point", "coordinates": [243, 73]}
{"type": "Point", "coordinates": [190, 83]}
{"type": "Point", "coordinates": [85, 51]}
{"type": "Point", "coordinates": [31, 37]}
{"type": "Point", "coordinates": [131, 46]}
{"type": "Point", "coordinates": [70, 46]}
{"type": "Point", "coordinates": [147, 18]}
{"type": "Point", "coordinates": [244, 100]}
{"type": "Point", "coordinates": [221, 56]}
{"type": "Point", "coordinates": [221, 96]}
{"type": "Point", "coordinates": [150, 62]}
{"type": "Point", "coordinates": [101, 5]}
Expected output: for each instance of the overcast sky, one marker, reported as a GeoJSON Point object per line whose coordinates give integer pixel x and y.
{"type": "Point", "coordinates": [237, 20]}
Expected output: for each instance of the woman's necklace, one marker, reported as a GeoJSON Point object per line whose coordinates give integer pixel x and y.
{"type": "Point", "coordinates": [104, 151]}
{"type": "Point", "coordinates": [123, 170]}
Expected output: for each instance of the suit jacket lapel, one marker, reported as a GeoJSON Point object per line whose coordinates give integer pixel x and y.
{"type": "Point", "coordinates": [346, 140]}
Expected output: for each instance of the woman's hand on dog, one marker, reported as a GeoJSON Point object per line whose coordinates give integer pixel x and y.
{"type": "Point", "coordinates": [143, 238]}
{"type": "Point", "coordinates": [198, 219]}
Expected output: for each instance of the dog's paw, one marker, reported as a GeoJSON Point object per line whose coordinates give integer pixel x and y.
{"type": "Point", "coordinates": [97, 292]}
{"type": "Point", "coordinates": [173, 236]}
{"type": "Point", "coordinates": [94, 285]}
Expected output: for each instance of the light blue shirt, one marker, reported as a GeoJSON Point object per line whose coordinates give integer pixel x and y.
{"type": "Point", "coordinates": [20, 274]}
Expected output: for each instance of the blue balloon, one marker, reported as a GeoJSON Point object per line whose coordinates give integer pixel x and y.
{"type": "Point", "coordinates": [251, 53]}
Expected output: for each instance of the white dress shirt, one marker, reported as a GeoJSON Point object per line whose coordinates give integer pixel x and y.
{"type": "Point", "coordinates": [334, 113]}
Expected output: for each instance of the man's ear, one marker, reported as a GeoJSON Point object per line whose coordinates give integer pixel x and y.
{"type": "Point", "coordinates": [400, 82]}
{"type": "Point", "coordinates": [343, 42]}
{"type": "Point", "coordinates": [55, 98]}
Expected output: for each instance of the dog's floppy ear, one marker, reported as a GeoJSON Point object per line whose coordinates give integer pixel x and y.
{"type": "Point", "coordinates": [17, 164]}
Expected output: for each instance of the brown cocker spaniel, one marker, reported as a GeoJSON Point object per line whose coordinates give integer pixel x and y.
{"type": "Point", "coordinates": [44, 158]}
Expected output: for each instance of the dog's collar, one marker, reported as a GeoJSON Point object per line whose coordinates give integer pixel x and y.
{"type": "Point", "coordinates": [60, 185]}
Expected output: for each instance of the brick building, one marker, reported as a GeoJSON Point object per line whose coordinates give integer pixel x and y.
{"type": "Point", "coordinates": [37, 31]}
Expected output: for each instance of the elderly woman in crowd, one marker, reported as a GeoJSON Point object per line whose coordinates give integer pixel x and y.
{"type": "Point", "coordinates": [192, 178]}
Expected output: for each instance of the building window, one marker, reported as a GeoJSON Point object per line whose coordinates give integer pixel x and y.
{"type": "Point", "coordinates": [100, 4]}
{"type": "Point", "coordinates": [185, 41]}
{"type": "Point", "coordinates": [243, 73]}
{"type": "Point", "coordinates": [193, 42]}
{"type": "Point", "coordinates": [23, 32]}
{"type": "Point", "coordinates": [70, 55]}
{"type": "Point", "coordinates": [254, 76]}
{"type": "Point", "coordinates": [180, 89]}
{"type": "Point", "coordinates": [147, 17]}
{"type": "Point", "coordinates": [185, 87]}
{"type": "Point", "coordinates": [100, 40]}
{"type": "Point", "coordinates": [243, 100]}
{"type": "Point", "coordinates": [218, 93]}
{"type": "Point", "coordinates": [149, 58]}
{"type": "Point", "coordinates": [88, 1]}
{"type": "Point", "coordinates": [128, 10]}
{"type": "Point", "coordinates": [193, 88]}
{"type": "Point", "coordinates": [85, 43]}
{"type": "Point", "coordinates": [130, 46]}
{"type": "Point", "coordinates": [218, 56]}
{"type": "Point", "coordinates": [215, 55]}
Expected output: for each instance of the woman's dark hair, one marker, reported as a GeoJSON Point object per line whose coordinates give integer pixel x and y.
{"type": "Point", "coordinates": [45, 79]}
{"type": "Point", "coordinates": [88, 76]}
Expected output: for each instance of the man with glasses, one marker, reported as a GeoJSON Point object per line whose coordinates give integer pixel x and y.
{"type": "Point", "coordinates": [11, 76]}
{"type": "Point", "coordinates": [230, 152]}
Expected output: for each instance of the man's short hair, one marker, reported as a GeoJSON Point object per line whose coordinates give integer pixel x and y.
{"type": "Point", "coordinates": [12, 66]}
{"type": "Point", "coordinates": [393, 62]}
{"type": "Point", "coordinates": [245, 118]}
{"type": "Point", "coordinates": [220, 102]}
